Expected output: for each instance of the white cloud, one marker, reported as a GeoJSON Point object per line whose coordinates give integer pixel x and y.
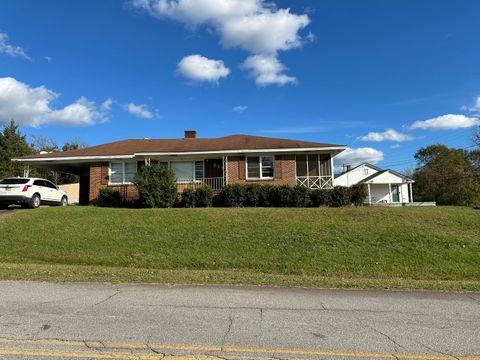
{"type": "Point", "coordinates": [81, 112]}
{"type": "Point", "coordinates": [267, 70]}
{"type": "Point", "coordinates": [446, 122]}
{"type": "Point", "coordinates": [12, 50]}
{"type": "Point", "coordinates": [107, 104]}
{"type": "Point", "coordinates": [48, 58]}
{"type": "Point", "coordinates": [240, 108]}
{"type": "Point", "coordinates": [265, 31]}
{"type": "Point", "coordinates": [394, 146]}
{"type": "Point", "coordinates": [139, 111]}
{"type": "Point", "coordinates": [387, 135]}
{"type": "Point", "coordinates": [199, 68]}
{"type": "Point", "coordinates": [356, 156]}
{"type": "Point", "coordinates": [256, 26]}
{"type": "Point", "coordinates": [30, 106]}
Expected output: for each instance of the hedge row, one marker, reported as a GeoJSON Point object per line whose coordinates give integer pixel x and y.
{"type": "Point", "coordinates": [254, 195]}
{"type": "Point", "coordinates": [251, 195]}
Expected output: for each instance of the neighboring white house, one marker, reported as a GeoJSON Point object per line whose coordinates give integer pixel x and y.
{"type": "Point", "coordinates": [384, 186]}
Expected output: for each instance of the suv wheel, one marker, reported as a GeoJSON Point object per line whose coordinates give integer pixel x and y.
{"type": "Point", "coordinates": [34, 201]}
{"type": "Point", "coordinates": [64, 201]}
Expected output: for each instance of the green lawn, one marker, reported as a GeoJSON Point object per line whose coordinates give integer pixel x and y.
{"type": "Point", "coordinates": [430, 248]}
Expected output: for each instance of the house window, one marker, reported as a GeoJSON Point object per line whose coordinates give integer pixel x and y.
{"type": "Point", "coordinates": [183, 170]}
{"type": "Point", "coordinates": [260, 167]}
{"type": "Point", "coordinates": [187, 170]}
{"type": "Point", "coordinates": [199, 170]}
{"type": "Point", "coordinates": [122, 172]}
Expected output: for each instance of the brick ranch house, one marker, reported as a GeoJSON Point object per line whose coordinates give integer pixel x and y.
{"type": "Point", "coordinates": [195, 161]}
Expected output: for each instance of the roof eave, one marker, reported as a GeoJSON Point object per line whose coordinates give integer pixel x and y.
{"type": "Point", "coordinates": [335, 149]}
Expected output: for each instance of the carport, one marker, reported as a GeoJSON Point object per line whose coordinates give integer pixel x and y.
{"type": "Point", "coordinates": [82, 169]}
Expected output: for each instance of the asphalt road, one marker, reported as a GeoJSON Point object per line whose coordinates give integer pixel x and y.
{"type": "Point", "coordinates": [104, 321]}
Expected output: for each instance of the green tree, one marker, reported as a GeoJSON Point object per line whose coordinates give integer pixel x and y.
{"type": "Point", "coordinates": [12, 144]}
{"type": "Point", "coordinates": [446, 175]}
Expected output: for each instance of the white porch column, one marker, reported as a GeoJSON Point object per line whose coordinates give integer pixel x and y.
{"type": "Point", "coordinates": [389, 193]}
{"type": "Point", "coordinates": [26, 170]}
{"type": "Point", "coordinates": [369, 195]}
{"type": "Point", "coordinates": [225, 169]}
{"type": "Point", "coordinates": [411, 192]}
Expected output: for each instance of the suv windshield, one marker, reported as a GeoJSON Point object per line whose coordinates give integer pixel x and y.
{"type": "Point", "coordinates": [14, 181]}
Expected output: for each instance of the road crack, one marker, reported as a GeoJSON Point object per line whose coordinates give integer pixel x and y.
{"type": "Point", "coordinates": [117, 291]}
{"type": "Point", "coordinates": [436, 351]}
{"type": "Point", "coordinates": [230, 323]}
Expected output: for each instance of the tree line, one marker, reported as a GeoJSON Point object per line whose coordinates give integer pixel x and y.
{"type": "Point", "coordinates": [14, 144]}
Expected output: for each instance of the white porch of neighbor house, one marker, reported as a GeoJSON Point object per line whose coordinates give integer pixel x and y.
{"type": "Point", "coordinates": [389, 193]}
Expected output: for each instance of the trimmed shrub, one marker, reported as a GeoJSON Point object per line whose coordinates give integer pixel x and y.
{"type": "Point", "coordinates": [234, 195]}
{"type": "Point", "coordinates": [320, 197]}
{"type": "Point", "coordinates": [204, 196]}
{"type": "Point", "coordinates": [109, 198]}
{"type": "Point", "coordinates": [282, 196]}
{"type": "Point", "coordinates": [188, 198]}
{"type": "Point", "coordinates": [157, 186]}
{"type": "Point", "coordinates": [253, 195]}
{"type": "Point", "coordinates": [340, 196]}
{"type": "Point", "coordinates": [358, 194]}
{"type": "Point", "coordinates": [301, 196]}
{"type": "Point", "coordinates": [267, 195]}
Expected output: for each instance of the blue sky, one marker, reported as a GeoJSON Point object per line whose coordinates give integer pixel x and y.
{"type": "Point", "coordinates": [332, 71]}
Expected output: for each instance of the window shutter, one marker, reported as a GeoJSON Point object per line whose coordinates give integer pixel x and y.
{"type": "Point", "coordinates": [104, 173]}
{"type": "Point", "coordinates": [278, 167]}
{"type": "Point", "coordinates": [241, 168]}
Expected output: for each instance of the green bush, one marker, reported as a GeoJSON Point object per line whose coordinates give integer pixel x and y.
{"type": "Point", "coordinates": [253, 195]}
{"type": "Point", "coordinates": [320, 197]}
{"type": "Point", "coordinates": [358, 194]}
{"type": "Point", "coordinates": [282, 196]}
{"type": "Point", "coordinates": [204, 196]}
{"type": "Point", "coordinates": [301, 196]}
{"type": "Point", "coordinates": [157, 186]}
{"type": "Point", "coordinates": [234, 195]}
{"type": "Point", "coordinates": [188, 198]}
{"type": "Point", "coordinates": [267, 195]}
{"type": "Point", "coordinates": [109, 198]}
{"type": "Point", "coordinates": [340, 196]}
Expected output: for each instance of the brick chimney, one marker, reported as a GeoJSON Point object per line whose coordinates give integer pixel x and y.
{"type": "Point", "coordinates": [190, 134]}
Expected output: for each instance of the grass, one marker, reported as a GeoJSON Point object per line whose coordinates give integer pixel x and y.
{"type": "Point", "coordinates": [421, 248]}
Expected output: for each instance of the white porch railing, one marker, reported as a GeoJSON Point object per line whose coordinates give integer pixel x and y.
{"type": "Point", "coordinates": [316, 182]}
{"type": "Point", "coordinates": [216, 183]}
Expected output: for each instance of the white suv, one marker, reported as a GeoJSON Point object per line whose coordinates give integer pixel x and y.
{"type": "Point", "coordinates": [30, 192]}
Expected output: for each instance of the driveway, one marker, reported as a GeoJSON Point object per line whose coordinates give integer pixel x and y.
{"type": "Point", "coordinates": [104, 321]}
{"type": "Point", "coordinates": [4, 213]}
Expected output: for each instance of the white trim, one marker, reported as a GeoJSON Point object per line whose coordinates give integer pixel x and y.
{"type": "Point", "coordinates": [240, 152]}
{"type": "Point", "coordinates": [260, 157]}
{"type": "Point", "coordinates": [78, 158]}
